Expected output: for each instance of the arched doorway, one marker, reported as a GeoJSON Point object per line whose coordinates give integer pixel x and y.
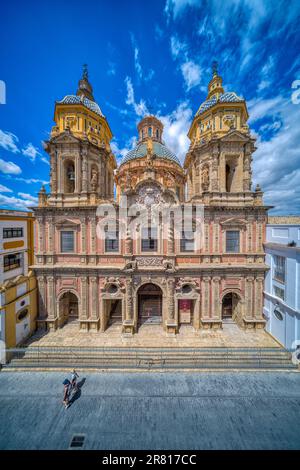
{"type": "Point", "coordinates": [230, 306]}
{"type": "Point", "coordinates": [149, 304]}
{"type": "Point", "coordinates": [68, 308]}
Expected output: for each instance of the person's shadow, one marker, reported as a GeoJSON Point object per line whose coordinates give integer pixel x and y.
{"type": "Point", "coordinates": [77, 393]}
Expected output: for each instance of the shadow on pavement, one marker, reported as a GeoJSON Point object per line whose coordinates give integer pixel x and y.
{"type": "Point", "coordinates": [77, 393]}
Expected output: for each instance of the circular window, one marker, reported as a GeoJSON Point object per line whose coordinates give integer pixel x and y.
{"type": "Point", "coordinates": [113, 289]}
{"type": "Point", "coordinates": [23, 302]}
{"type": "Point", "coordinates": [23, 314]}
{"type": "Point", "coordinates": [278, 314]}
{"type": "Point", "coordinates": [186, 289]}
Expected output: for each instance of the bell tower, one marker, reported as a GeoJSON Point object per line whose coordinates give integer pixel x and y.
{"type": "Point", "coordinates": [81, 161]}
{"type": "Point", "coordinates": [220, 154]}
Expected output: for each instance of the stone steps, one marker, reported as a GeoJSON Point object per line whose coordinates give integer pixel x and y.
{"type": "Point", "coordinates": [155, 358]}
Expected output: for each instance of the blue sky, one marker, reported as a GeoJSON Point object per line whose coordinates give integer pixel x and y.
{"type": "Point", "coordinates": [153, 56]}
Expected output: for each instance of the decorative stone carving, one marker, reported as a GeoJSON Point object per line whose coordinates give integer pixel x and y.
{"type": "Point", "coordinates": [94, 179]}
{"type": "Point", "coordinates": [169, 265]}
{"type": "Point", "coordinates": [130, 266]}
{"type": "Point", "coordinates": [149, 261]}
{"type": "Point", "coordinates": [205, 178]}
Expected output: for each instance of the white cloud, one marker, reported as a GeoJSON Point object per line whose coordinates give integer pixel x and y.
{"type": "Point", "coordinates": [175, 7]}
{"type": "Point", "coordinates": [31, 180]}
{"type": "Point", "coordinates": [139, 108]}
{"type": "Point", "coordinates": [191, 73]}
{"type": "Point", "coordinates": [5, 189]}
{"type": "Point", "coordinates": [276, 163]}
{"type": "Point", "coordinates": [9, 141]}
{"type": "Point", "coordinates": [176, 126]}
{"type": "Point", "coordinates": [121, 152]}
{"type": "Point", "coordinates": [28, 197]}
{"type": "Point", "coordinates": [178, 47]}
{"type": "Point", "coordinates": [31, 151]}
{"type": "Point", "coordinates": [9, 168]}
{"type": "Point", "coordinates": [137, 63]}
{"type": "Point", "coordinates": [260, 108]}
{"type": "Point", "coordinates": [111, 68]}
{"type": "Point", "coordinates": [16, 203]}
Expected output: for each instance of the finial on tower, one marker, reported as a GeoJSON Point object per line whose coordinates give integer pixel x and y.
{"type": "Point", "coordinates": [85, 89]}
{"type": "Point", "coordinates": [215, 68]}
{"type": "Point", "coordinates": [85, 73]}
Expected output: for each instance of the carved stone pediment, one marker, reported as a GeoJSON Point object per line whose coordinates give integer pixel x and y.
{"type": "Point", "coordinates": [233, 222]}
{"type": "Point", "coordinates": [235, 136]}
{"type": "Point", "coordinates": [65, 137]}
{"type": "Point", "coordinates": [66, 223]}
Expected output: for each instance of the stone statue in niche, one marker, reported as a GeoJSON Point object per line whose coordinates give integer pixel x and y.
{"type": "Point", "coordinates": [205, 178]}
{"type": "Point", "coordinates": [94, 179]}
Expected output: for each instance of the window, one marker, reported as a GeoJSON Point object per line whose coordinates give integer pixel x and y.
{"type": "Point", "coordinates": [13, 261]}
{"type": "Point", "coordinates": [278, 314]}
{"type": "Point", "coordinates": [12, 232]}
{"type": "Point", "coordinates": [279, 292]}
{"type": "Point", "coordinates": [149, 239]}
{"type": "Point", "coordinates": [111, 241]}
{"type": "Point", "coordinates": [279, 268]}
{"type": "Point", "coordinates": [157, 135]}
{"type": "Point", "coordinates": [187, 241]}
{"type": "Point", "coordinates": [149, 131]}
{"type": "Point", "coordinates": [67, 241]}
{"type": "Point", "coordinates": [232, 241]}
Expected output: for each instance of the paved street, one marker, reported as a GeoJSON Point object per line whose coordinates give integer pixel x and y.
{"type": "Point", "coordinates": [152, 411]}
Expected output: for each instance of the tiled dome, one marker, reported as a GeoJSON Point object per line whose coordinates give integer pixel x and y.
{"type": "Point", "coordinates": [229, 97]}
{"type": "Point", "coordinates": [73, 99]}
{"type": "Point", "coordinates": [159, 149]}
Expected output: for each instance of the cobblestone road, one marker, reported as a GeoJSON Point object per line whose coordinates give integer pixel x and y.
{"type": "Point", "coordinates": [152, 411]}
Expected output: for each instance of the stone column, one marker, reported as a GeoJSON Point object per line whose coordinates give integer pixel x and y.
{"type": "Point", "coordinates": [206, 298]}
{"type": "Point", "coordinates": [50, 234]}
{"type": "Point", "coordinates": [129, 300]}
{"type": "Point", "coordinates": [249, 235]}
{"type": "Point", "coordinates": [41, 234]}
{"type": "Point", "coordinates": [41, 297]}
{"type": "Point", "coordinates": [128, 242]}
{"type": "Point", "coordinates": [84, 170]}
{"type": "Point", "coordinates": [249, 297]}
{"type": "Point", "coordinates": [171, 299]}
{"type": "Point", "coordinates": [53, 166]}
{"type": "Point", "coordinates": [214, 169]}
{"type": "Point", "coordinates": [93, 234]}
{"type": "Point", "coordinates": [51, 302]}
{"type": "Point", "coordinates": [259, 287]}
{"type": "Point", "coordinates": [83, 236]}
{"type": "Point", "coordinates": [102, 179]}
{"type": "Point", "coordinates": [216, 306]}
{"type": "Point", "coordinates": [170, 241]}
{"type": "Point", "coordinates": [95, 302]}
{"type": "Point", "coordinates": [84, 298]}
{"type": "Point", "coordinates": [247, 169]}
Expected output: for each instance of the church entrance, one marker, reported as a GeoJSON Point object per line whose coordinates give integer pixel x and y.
{"type": "Point", "coordinates": [68, 308]}
{"type": "Point", "coordinates": [229, 306]}
{"type": "Point", "coordinates": [149, 304]}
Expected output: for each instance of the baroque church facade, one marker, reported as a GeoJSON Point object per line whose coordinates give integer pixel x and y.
{"type": "Point", "coordinates": [95, 276]}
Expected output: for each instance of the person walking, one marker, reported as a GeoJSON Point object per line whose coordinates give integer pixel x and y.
{"type": "Point", "coordinates": [74, 378]}
{"type": "Point", "coordinates": [67, 391]}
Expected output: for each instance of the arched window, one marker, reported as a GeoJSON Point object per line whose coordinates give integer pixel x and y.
{"type": "Point", "coordinates": [157, 134]}
{"type": "Point", "coordinates": [149, 131]}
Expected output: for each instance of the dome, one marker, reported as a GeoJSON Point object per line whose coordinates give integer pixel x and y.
{"type": "Point", "coordinates": [228, 97]}
{"type": "Point", "coordinates": [73, 99]}
{"type": "Point", "coordinates": [159, 149]}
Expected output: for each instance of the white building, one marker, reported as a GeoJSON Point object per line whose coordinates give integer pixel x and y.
{"type": "Point", "coordinates": [282, 284]}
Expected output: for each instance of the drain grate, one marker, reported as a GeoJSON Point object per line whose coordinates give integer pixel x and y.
{"type": "Point", "coordinates": [77, 441]}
